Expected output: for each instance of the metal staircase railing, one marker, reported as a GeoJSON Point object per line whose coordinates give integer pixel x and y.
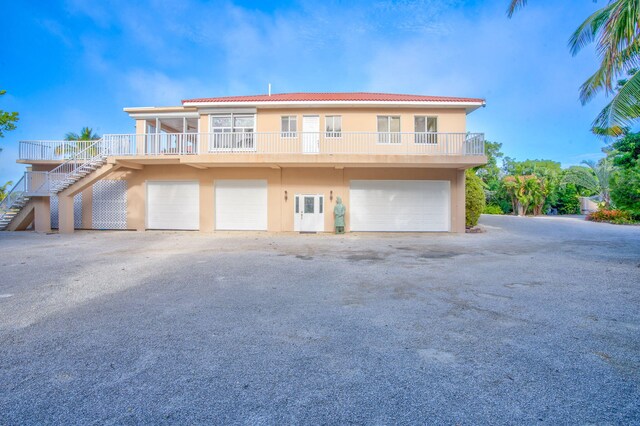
{"type": "Point", "coordinates": [82, 163]}
{"type": "Point", "coordinates": [78, 166]}
{"type": "Point", "coordinates": [14, 201]}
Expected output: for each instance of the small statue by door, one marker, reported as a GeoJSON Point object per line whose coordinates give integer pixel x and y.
{"type": "Point", "coordinates": [338, 214]}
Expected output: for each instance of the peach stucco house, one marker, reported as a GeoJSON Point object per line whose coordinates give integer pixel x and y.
{"type": "Point", "coordinates": [265, 163]}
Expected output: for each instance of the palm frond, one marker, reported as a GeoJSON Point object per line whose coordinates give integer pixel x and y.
{"type": "Point", "coordinates": [624, 107]}
{"type": "Point", "coordinates": [593, 85]}
{"type": "Point", "coordinates": [583, 177]}
{"type": "Point", "coordinates": [71, 136]}
{"type": "Point", "coordinates": [515, 5]}
{"type": "Point", "coordinates": [609, 132]}
{"type": "Point", "coordinates": [587, 31]}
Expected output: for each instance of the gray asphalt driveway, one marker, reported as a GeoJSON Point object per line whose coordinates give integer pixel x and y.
{"type": "Point", "coordinates": [537, 320]}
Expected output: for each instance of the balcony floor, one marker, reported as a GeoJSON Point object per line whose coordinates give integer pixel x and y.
{"type": "Point", "coordinates": [306, 160]}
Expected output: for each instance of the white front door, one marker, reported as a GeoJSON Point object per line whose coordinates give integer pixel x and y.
{"type": "Point", "coordinates": [308, 213]}
{"type": "Point", "coordinates": [310, 134]}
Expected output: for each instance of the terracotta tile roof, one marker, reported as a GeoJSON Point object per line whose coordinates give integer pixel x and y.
{"type": "Point", "coordinates": [333, 97]}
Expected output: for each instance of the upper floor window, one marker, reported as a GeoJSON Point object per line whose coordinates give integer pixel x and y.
{"type": "Point", "coordinates": [289, 126]}
{"type": "Point", "coordinates": [426, 129]}
{"type": "Point", "coordinates": [221, 124]}
{"type": "Point", "coordinates": [333, 126]}
{"type": "Point", "coordinates": [388, 129]}
{"type": "Point", "coordinates": [232, 131]}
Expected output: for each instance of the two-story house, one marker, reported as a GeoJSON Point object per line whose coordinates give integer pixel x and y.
{"type": "Point", "coordinates": [265, 163]}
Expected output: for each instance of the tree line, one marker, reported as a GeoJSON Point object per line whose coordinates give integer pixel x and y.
{"type": "Point", "coordinates": [535, 187]}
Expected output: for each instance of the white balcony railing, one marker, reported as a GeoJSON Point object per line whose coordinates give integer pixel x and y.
{"type": "Point", "coordinates": [340, 143]}
{"type": "Point", "coordinates": [51, 150]}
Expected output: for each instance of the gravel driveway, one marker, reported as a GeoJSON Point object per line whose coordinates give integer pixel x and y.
{"type": "Point", "coordinates": [536, 320]}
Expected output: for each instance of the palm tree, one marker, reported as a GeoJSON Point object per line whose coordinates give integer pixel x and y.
{"type": "Point", "coordinates": [615, 30]}
{"type": "Point", "coordinates": [81, 141]}
{"type": "Point", "coordinates": [86, 134]}
{"type": "Point", "coordinates": [595, 177]}
{"type": "Point", "coordinates": [526, 191]}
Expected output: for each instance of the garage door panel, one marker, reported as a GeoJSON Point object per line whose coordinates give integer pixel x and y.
{"type": "Point", "coordinates": [173, 205]}
{"type": "Point", "coordinates": [397, 206]}
{"type": "Point", "coordinates": [241, 205]}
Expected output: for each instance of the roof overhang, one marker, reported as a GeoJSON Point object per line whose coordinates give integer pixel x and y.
{"type": "Point", "coordinates": [162, 112]}
{"type": "Point", "coordinates": [468, 106]}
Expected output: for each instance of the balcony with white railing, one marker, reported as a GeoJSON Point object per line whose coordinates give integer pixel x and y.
{"type": "Point", "coordinates": [51, 151]}
{"type": "Point", "coordinates": [374, 144]}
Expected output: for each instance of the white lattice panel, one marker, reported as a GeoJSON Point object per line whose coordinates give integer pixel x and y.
{"type": "Point", "coordinates": [77, 211]}
{"type": "Point", "coordinates": [110, 204]}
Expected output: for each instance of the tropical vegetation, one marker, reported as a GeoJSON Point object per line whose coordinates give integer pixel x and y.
{"type": "Point", "coordinates": [7, 119]}
{"type": "Point", "coordinates": [535, 187]}
{"type": "Point", "coordinates": [7, 123]}
{"type": "Point", "coordinates": [611, 216]}
{"type": "Point", "coordinates": [615, 30]}
{"type": "Point", "coordinates": [595, 178]}
{"type": "Point", "coordinates": [474, 198]}
{"type": "Point", "coordinates": [4, 189]}
{"type": "Point", "coordinates": [78, 142]}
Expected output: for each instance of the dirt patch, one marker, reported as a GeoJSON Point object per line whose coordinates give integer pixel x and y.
{"type": "Point", "coordinates": [370, 256]}
{"type": "Point", "coordinates": [438, 254]}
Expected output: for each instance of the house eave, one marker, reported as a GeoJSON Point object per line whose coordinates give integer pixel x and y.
{"type": "Point", "coordinates": [468, 106]}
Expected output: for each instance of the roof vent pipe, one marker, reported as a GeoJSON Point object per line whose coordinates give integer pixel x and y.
{"type": "Point", "coordinates": [269, 89]}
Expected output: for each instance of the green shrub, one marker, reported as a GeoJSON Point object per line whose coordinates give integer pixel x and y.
{"type": "Point", "coordinates": [610, 216]}
{"type": "Point", "coordinates": [474, 198]}
{"type": "Point", "coordinates": [492, 209]}
{"type": "Point", "coordinates": [567, 200]}
{"type": "Point", "coordinates": [625, 191]}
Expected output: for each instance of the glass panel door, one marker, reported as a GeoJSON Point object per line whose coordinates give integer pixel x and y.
{"type": "Point", "coordinates": [309, 205]}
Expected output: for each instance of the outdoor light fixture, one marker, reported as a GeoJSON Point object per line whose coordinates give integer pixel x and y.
{"type": "Point", "coordinates": [285, 195]}
{"type": "Point", "coordinates": [330, 195]}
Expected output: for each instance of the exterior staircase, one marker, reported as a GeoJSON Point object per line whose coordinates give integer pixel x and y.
{"type": "Point", "coordinates": [11, 212]}
{"type": "Point", "coordinates": [60, 181]}
{"type": "Point", "coordinates": [13, 202]}
{"type": "Point", "coordinates": [80, 165]}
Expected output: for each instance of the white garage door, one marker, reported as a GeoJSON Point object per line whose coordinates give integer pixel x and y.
{"type": "Point", "coordinates": [400, 205]}
{"type": "Point", "coordinates": [241, 205]}
{"type": "Point", "coordinates": [173, 205]}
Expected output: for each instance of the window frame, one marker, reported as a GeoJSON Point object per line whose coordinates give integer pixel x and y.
{"type": "Point", "coordinates": [427, 136]}
{"type": "Point", "coordinates": [333, 134]}
{"type": "Point", "coordinates": [240, 133]}
{"type": "Point", "coordinates": [389, 137]}
{"type": "Point", "coordinates": [288, 134]}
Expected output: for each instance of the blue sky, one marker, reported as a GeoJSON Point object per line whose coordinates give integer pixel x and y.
{"type": "Point", "coordinates": [69, 64]}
